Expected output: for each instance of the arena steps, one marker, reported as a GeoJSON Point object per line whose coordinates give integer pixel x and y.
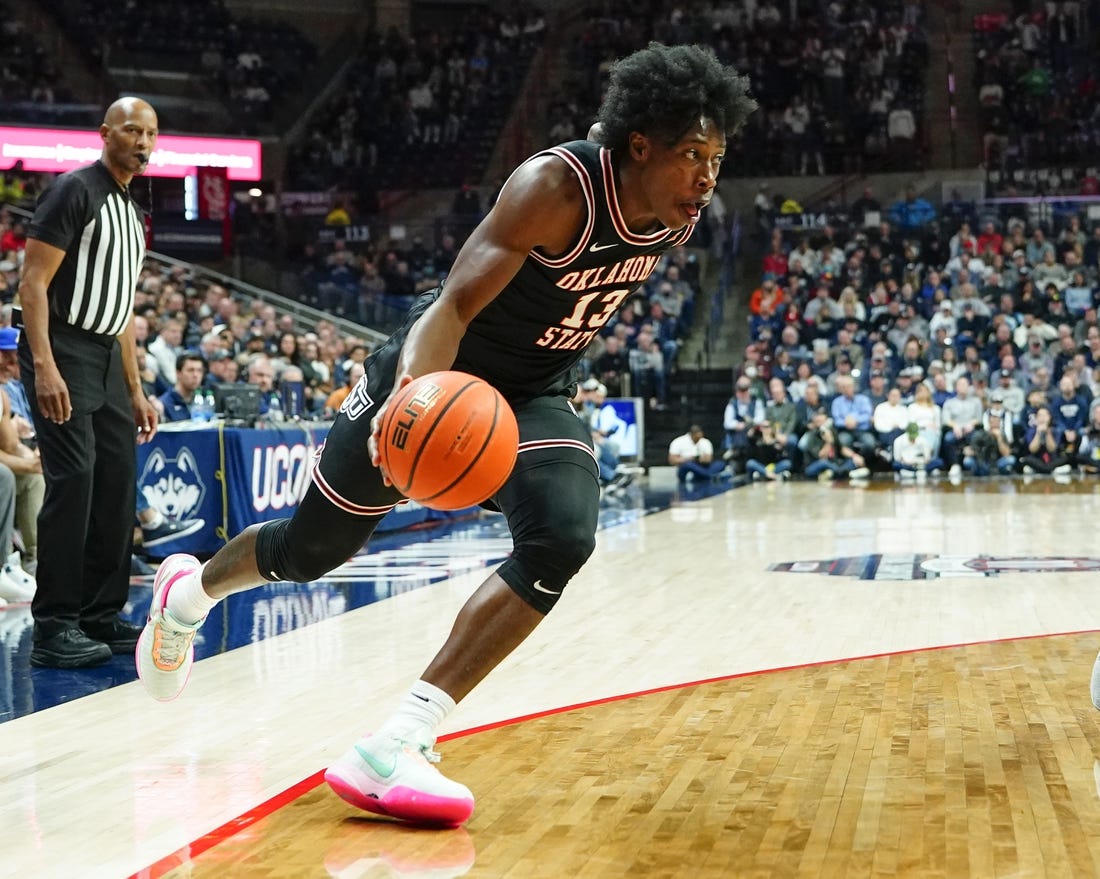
{"type": "Point", "coordinates": [695, 396]}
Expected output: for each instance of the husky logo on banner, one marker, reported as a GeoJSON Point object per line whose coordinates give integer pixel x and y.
{"type": "Point", "coordinates": [173, 486]}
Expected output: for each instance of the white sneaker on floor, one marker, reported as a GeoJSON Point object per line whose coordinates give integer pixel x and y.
{"type": "Point", "coordinates": [166, 651]}
{"type": "Point", "coordinates": [1094, 687]}
{"type": "Point", "coordinates": [955, 472]}
{"type": "Point", "coordinates": [1062, 470]}
{"type": "Point", "coordinates": [859, 473]}
{"type": "Point", "coordinates": [388, 776]}
{"type": "Point", "coordinates": [15, 583]}
{"type": "Point", "coordinates": [12, 591]}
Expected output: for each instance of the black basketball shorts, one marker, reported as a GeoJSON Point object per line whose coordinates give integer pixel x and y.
{"type": "Point", "coordinates": [550, 434]}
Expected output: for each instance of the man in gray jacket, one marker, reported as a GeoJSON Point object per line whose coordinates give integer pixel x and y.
{"type": "Point", "coordinates": [962, 415]}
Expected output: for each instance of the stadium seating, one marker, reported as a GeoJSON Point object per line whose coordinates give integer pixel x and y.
{"type": "Point", "coordinates": [245, 64]}
{"type": "Point", "coordinates": [810, 121]}
{"type": "Point", "coordinates": [418, 113]}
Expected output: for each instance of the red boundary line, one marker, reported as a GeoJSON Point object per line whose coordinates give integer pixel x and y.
{"type": "Point", "coordinates": [268, 807]}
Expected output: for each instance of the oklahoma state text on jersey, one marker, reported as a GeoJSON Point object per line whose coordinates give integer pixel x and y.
{"type": "Point", "coordinates": [527, 340]}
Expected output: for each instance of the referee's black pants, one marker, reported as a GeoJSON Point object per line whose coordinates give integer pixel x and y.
{"type": "Point", "coordinates": [86, 526]}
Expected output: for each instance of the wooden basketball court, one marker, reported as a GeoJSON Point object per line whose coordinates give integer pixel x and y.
{"type": "Point", "coordinates": [784, 680]}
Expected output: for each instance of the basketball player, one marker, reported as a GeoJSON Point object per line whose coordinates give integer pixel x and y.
{"type": "Point", "coordinates": [576, 230]}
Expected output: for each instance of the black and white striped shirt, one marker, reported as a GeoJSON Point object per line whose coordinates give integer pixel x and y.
{"type": "Point", "coordinates": [89, 215]}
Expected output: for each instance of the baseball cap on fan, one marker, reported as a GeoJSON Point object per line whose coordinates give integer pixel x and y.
{"type": "Point", "coordinates": [9, 339]}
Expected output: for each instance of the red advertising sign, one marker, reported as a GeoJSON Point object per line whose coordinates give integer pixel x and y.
{"type": "Point", "coordinates": [58, 149]}
{"type": "Point", "coordinates": [213, 193]}
{"type": "Point", "coordinates": [213, 186]}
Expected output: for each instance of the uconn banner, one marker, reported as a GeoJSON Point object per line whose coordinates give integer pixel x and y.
{"type": "Point", "coordinates": [265, 476]}
{"type": "Point", "coordinates": [277, 465]}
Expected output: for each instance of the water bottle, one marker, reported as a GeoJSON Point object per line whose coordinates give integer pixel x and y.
{"type": "Point", "coordinates": [199, 410]}
{"type": "Point", "coordinates": [275, 409]}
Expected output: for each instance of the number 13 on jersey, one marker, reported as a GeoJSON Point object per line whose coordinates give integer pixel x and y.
{"type": "Point", "coordinates": [578, 328]}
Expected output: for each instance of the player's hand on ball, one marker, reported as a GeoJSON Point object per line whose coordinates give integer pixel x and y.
{"type": "Point", "coordinates": [376, 428]}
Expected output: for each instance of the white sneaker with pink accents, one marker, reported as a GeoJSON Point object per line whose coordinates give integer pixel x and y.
{"type": "Point", "coordinates": [166, 651]}
{"type": "Point", "coordinates": [388, 776]}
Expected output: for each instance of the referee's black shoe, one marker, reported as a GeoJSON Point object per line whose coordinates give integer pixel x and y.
{"type": "Point", "coordinates": [69, 648]}
{"type": "Point", "coordinates": [119, 635]}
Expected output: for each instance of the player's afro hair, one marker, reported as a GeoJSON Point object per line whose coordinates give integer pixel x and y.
{"type": "Point", "coordinates": [662, 91]}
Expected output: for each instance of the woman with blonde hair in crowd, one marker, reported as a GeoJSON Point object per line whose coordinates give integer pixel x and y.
{"type": "Point", "coordinates": [851, 306]}
{"type": "Point", "coordinates": [927, 416]}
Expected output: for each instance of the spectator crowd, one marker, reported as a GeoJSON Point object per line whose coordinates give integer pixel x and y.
{"type": "Point", "coordinates": [249, 63]}
{"type": "Point", "coordinates": [947, 339]}
{"type": "Point", "coordinates": [421, 110]}
{"type": "Point", "coordinates": [30, 83]}
{"type": "Point", "coordinates": [840, 85]}
{"type": "Point", "coordinates": [1036, 72]}
{"type": "Point", "coordinates": [194, 333]}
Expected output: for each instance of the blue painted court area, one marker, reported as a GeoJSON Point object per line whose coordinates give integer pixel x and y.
{"type": "Point", "coordinates": [397, 562]}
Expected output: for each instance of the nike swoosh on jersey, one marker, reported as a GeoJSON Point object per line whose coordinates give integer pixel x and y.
{"type": "Point", "coordinates": [541, 588]}
{"type": "Point", "coordinates": [377, 765]}
{"type": "Point", "coordinates": [597, 247]}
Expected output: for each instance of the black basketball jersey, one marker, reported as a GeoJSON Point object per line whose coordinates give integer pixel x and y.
{"type": "Point", "coordinates": [527, 340]}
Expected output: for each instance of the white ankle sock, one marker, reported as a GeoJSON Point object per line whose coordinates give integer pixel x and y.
{"type": "Point", "coordinates": [424, 707]}
{"type": "Point", "coordinates": [188, 602]}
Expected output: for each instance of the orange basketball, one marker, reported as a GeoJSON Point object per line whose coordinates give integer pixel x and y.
{"type": "Point", "coordinates": [448, 440]}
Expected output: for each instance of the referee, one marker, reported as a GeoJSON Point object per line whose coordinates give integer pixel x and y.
{"type": "Point", "coordinates": [85, 248]}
